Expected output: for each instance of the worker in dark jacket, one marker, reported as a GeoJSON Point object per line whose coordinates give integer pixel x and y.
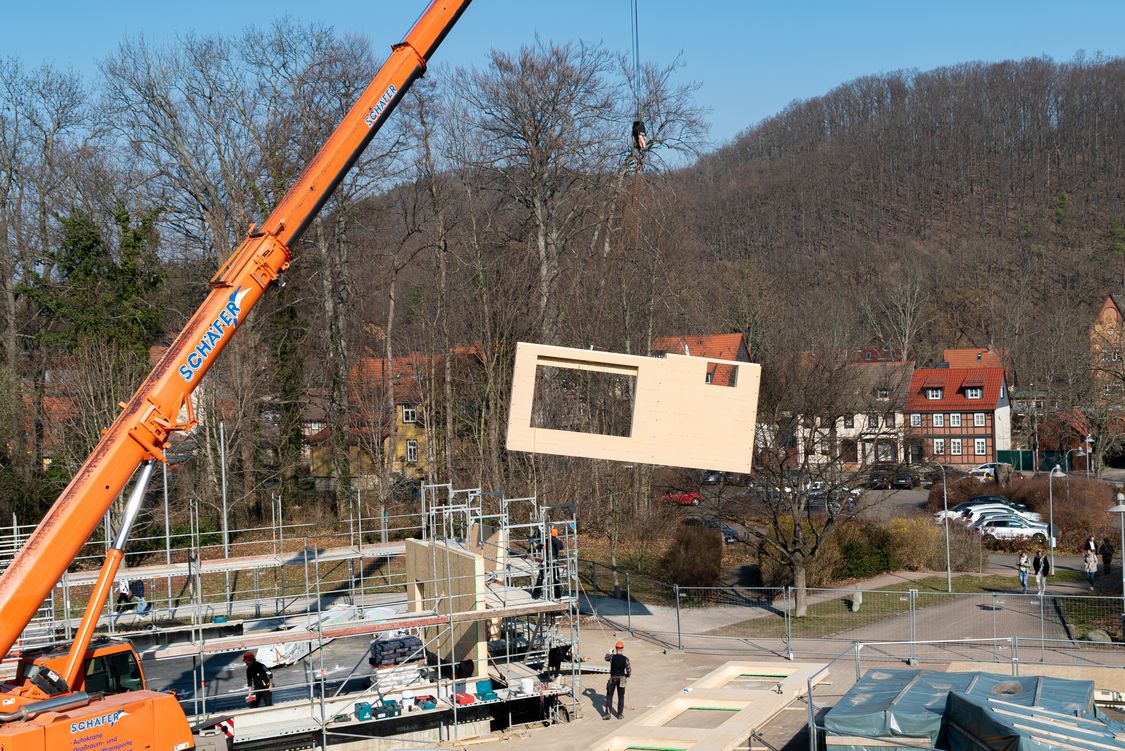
{"type": "Point", "coordinates": [550, 572]}
{"type": "Point", "coordinates": [619, 671]}
{"type": "Point", "coordinates": [260, 680]}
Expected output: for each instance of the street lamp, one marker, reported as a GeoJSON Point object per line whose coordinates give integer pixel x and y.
{"type": "Point", "coordinates": [945, 518]}
{"type": "Point", "coordinates": [1119, 509]}
{"type": "Point", "coordinates": [1056, 472]}
{"type": "Point", "coordinates": [1089, 452]}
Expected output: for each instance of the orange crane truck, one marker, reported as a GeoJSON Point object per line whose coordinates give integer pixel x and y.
{"type": "Point", "coordinates": [91, 695]}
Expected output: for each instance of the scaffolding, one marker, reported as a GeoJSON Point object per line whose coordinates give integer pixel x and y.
{"type": "Point", "coordinates": [474, 575]}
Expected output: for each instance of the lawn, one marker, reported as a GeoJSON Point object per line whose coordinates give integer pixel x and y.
{"type": "Point", "coordinates": [833, 616]}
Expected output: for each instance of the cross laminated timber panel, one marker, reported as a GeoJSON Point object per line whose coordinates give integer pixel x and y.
{"type": "Point", "coordinates": [744, 695]}
{"type": "Point", "coordinates": [685, 411]}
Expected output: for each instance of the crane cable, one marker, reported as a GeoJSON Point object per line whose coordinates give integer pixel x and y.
{"type": "Point", "coordinates": [640, 137]}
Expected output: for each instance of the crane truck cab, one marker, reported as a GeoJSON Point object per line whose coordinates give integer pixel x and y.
{"type": "Point", "coordinates": [111, 666]}
{"type": "Point", "coordinates": [107, 707]}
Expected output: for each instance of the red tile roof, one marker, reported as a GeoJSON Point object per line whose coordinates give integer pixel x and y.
{"type": "Point", "coordinates": [954, 381]}
{"type": "Point", "coordinates": [972, 357]}
{"type": "Point", "coordinates": [717, 346]}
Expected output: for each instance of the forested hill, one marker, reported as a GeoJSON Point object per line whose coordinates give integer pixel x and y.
{"type": "Point", "coordinates": [970, 154]}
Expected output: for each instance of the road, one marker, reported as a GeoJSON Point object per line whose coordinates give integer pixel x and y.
{"type": "Point", "coordinates": [225, 676]}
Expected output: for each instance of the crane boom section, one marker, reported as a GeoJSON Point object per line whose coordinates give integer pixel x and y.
{"type": "Point", "coordinates": [162, 404]}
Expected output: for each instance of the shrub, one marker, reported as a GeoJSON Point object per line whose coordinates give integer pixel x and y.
{"type": "Point", "coordinates": [695, 557]}
{"type": "Point", "coordinates": [866, 551]}
{"type": "Point", "coordinates": [915, 543]}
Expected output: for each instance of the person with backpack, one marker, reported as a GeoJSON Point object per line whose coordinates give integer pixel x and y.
{"type": "Point", "coordinates": [260, 680]}
{"type": "Point", "coordinates": [620, 669]}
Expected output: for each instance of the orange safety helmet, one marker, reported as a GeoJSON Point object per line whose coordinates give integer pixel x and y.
{"type": "Point", "coordinates": [619, 645]}
{"type": "Point", "coordinates": [247, 656]}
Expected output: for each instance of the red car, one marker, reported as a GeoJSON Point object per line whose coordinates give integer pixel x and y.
{"type": "Point", "coordinates": [683, 497]}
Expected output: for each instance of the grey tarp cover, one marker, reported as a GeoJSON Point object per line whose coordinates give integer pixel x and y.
{"type": "Point", "coordinates": [910, 703]}
{"type": "Point", "coordinates": [982, 724]}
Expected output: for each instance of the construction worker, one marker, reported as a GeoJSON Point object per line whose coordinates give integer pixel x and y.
{"type": "Point", "coordinates": [619, 671]}
{"type": "Point", "coordinates": [260, 681]}
{"type": "Point", "coordinates": [552, 554]}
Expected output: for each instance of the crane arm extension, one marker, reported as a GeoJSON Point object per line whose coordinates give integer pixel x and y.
{"type": "Point", "coordinates": [143, 428]}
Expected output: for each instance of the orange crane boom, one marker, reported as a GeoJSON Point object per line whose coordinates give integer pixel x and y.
{"type": "Point", "coordinates": [162, 403]}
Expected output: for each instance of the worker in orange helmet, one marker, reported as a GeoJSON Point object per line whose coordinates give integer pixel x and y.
{"type": "Point", "coordinates": [619, 671]}
{"type": "Point", "coordinates": [260, 680]}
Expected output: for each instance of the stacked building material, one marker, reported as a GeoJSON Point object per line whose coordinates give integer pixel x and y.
{"type": "Point", "coordinates": [395, 679]}
{"type": "Point", "coordinates": [395, 651]}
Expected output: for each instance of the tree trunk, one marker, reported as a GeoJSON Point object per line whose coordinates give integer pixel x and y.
{"type": "Point", "coordinates": [800, 590]}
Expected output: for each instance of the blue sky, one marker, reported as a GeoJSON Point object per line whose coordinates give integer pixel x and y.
{"type": "Point", "coordinates": [750, 58]}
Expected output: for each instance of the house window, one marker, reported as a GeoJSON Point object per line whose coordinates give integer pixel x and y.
{"type": "Point", "coordinates": [938, 420]}
{"type": "Point", "coordinates": [412, 451]}
{"type": "Point", "coordinates": [978, 446]}
{"type": "Point", "coordinates": [916, 420]}
{"type": "Point", "coordinates": [934, 394]}
{"type": "Point", "coordinates": [849, 421]}
{"type": "Point", "coordinates": [409, 413]}
{"type": "Point", "coordinates": [889, 420]}
{"type": "Point", "coordinates": [955, 420]}
{"type": "Point", "coordinates": [974, 392]}
{"type": "Point", "coordinates": [882, 393]}
{"type": "Point", "coordinates": [873, 421]}
{"type": "Point", "coordinates": [955, 446]}
{"type": "Point", "coordinates": [939, 446]}
{"type": "Point", "coordinates": [978, 420]}
{"type": "Point", "coordinates": [707, 378]}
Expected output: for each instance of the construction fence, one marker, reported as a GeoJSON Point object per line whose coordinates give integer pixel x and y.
{"type": "Point", "coordinates": [764, 619]}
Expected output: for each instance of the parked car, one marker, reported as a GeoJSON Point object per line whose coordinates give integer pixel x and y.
{"type": "Point", "coordinates": [881, 478]}
{"type": "Point", "coordinates": [729, 533]}
{"type": "Point", "coordinates": [999, 499]}
{"type": "Point", "coordinates": [683, 497]}
{"type": "Point", "coordinates": [715, 477]}
{"type": "Point", "coordinates": [905, 480]}
{"type": "Point", "coordinates": [836, 500]}
{"type": "Point", "coordinates": [955, 512]}
{"type": "Point", "coordinates": [1011, 527]}
{"type": "Point", "coordinates": [999, 471]}
{"type": "Point", "coordinates": [976, 512]}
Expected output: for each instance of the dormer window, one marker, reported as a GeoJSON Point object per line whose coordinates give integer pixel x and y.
{"type": "Point", "coordinates": [974, 392]}
{"type": "Point", "coordinates": [934, 394]}
{"type": "Point", "coordinates": [882, 393]}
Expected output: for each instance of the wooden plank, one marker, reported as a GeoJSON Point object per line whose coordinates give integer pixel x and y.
{"type": "Point", "coordinates": [407, 620]}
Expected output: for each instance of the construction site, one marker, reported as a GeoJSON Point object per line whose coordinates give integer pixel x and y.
{"type": "Point", "coordinates": [470, 616]}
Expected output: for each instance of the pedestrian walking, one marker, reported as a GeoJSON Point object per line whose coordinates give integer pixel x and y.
{"type": "Point", "coordinates": [1023, 568]}
{"type": "Point", "coordinates": [259, 679]}
{"type": "Point", "coordinates": [1041, 565]}
{"type": "Point", "coordinates": [620, 669]}
{"type": "Point", "coordinates": [1090, 566]}
{"type": "Point", "coordinates": [1106, 550]}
